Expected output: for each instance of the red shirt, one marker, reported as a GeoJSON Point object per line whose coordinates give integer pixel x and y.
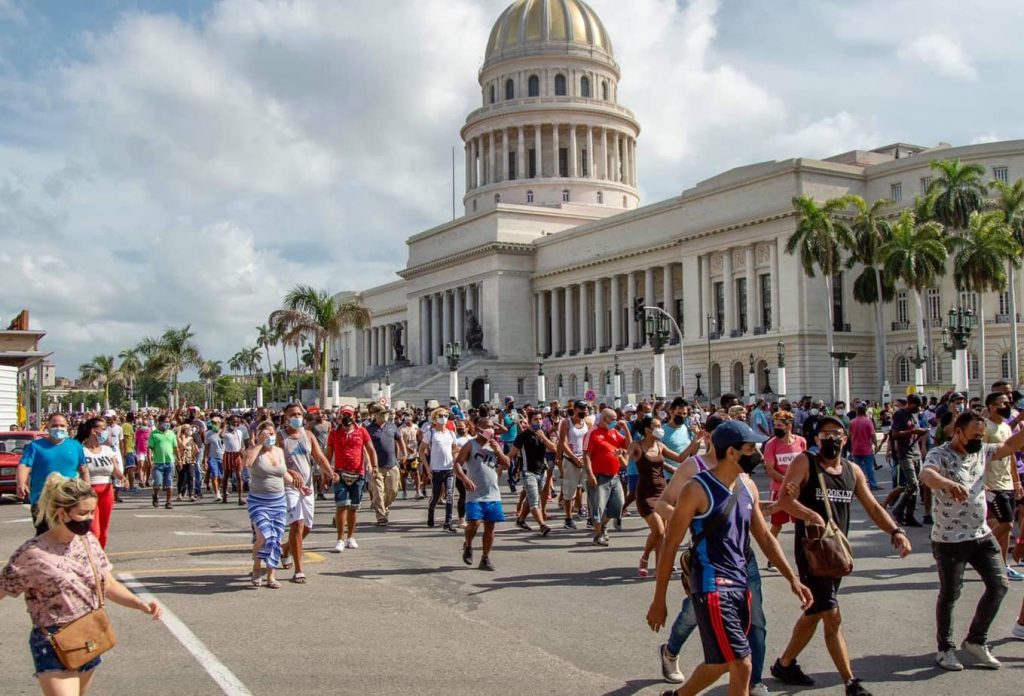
{"type": "Point", "coordinates": [347, 446]}
{"type": "Point", "coordinates": [601, 446]}
{"type": "Point", "coordinates": [862, 437]}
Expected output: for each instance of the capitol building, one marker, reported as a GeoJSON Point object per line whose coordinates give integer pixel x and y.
{"type": "Point", "coordinates": [555, 248]}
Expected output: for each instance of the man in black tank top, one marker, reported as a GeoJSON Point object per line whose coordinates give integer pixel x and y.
{"type": "Point", "coordinates": [801, 496]}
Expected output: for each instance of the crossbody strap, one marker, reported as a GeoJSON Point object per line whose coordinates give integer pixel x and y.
{"type": "Point", "coordinates": [719, 520]}
{"type": "Point", "coordinates": [95, 573]}
{"type": "Point", "coordinates": [824, 488]}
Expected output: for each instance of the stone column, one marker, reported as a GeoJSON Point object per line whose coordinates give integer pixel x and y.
{"type": "Point", "coordinates": [460, 316]}
{"type": "Point", "coordinates": [631, 326]}
{"type": "Point", "coordinates": [367, 352]}
{"type": "Point", "coordinates": [538, 322]}
{"type": "Point", "coordinates": [375, 346]}
{"type": "Point", "coordinates": [591, 161]}
{"type": "Point", "coordinates": [668, 290]}
{"type": "Point", "coordinates": [599, 343]}
{"type": "Point", "coordinates": [555, 170]}
{"type": "Point", "coordinates": [604, 154]}
{"type": "Point", "coordinates": [503, 167]}
{"type": "Point", "coordinates": [649, 300]}
{"type": "Point", "coordinates": [632, 164]}
{"type": "Point", "coordinates": [729, 294]}
{"type": "Point", "coordinates": [490, 158]}
{"type": "Point", "coordinates": [470, 291]}
{"type": "Point", "coordinates": [545, 322]}
{"type": "Point", "coordinates": [773, 251]}
{"type": "Point", "coordinates": [752, 318]}
{"type": "Point", "coordinates": [521, 172]}
{"type": "Point", "coordinates": [585, 345]}
{"type": "Point", "coordinates": [556, 324]}
{"type": "Point", "coordinates": [708, 300]}
{"type": "Point", "coordinates": [475, 170]}
{"type": "Point", "coordinates": [446, 317]}
{"type": "Point", "coordinates": [424, 331]}
{"type": "Point", "coordinates": [616, 158]}
{"type": "Point", "coordinates": [469, 180]}
{"type": "Point", "coordinates": [573, 153]}
{"type": "Point", "coordinates": [435, 327]}
{"type": "Point", "coordinates": [616, 307]}
{"type": "Point", "coordinates": [388, 341]}
{"type": "Point", "coordinates": [538, 157]}
{"type": "Point", "coordinates": [570, 322]}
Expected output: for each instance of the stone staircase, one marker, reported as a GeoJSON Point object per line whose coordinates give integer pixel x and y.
{"type": "Point", "coordinates": [414, 384]}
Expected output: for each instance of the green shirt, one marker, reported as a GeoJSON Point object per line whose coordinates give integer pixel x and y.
{"type": "Point", "coordinates": [162, 446]}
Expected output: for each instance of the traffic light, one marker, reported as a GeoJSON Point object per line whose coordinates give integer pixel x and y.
{"type": "Point", "coordinates": [638, 309]}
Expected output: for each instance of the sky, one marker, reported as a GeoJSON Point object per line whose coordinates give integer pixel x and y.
{"type": "Point", "coordinates": [172, 162]}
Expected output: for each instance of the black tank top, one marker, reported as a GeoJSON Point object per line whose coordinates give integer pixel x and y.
{"type": "Point", "coordinates": [840, 494]}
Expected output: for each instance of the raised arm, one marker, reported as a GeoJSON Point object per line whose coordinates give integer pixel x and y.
{"type": "Point", "coordinates": [771, 548]}
{"type": "Point", "coordinates": [796, 478]}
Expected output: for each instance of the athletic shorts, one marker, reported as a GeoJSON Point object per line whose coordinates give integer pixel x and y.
{"type": "Point", "coordinates": [300, 507]}
{"type": "Point", "coordinates": [825, 591]}
{"type": "Point", "coordinates": [130, 461]}
{"type": "Point", "coordinates": [486, 510]}
{"type": "Point", "coordinates": [779, 518]}
{"type": "Point", "coordinates": [724, 620]}
{"type": "Point", "coordinates": [232, 463]}
{"type": "Point", "coordinates": [1001, 505]}
{"type": "Point", "coordinates": [572, 478]}
{"type": "Point", "coordinates": [142, 457]}
{"type": "Point", "coordinates": [216, 467]}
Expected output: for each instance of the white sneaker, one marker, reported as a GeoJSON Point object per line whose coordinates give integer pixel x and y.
{"type": "Point", "coordinates": [670, 667]}
{"type": "Point", "coordinates": [1017, 631]}
{"type": "Point", "coordinates": [350, 543]}
{"type": "Point", "coordinates": [759, 689]}
{"type": "Point", "coordinates": [948, 660]}
{"type": "Point", "coordinates": [981, 655]}
{"type": "Point", "coordinates": [339, 547]}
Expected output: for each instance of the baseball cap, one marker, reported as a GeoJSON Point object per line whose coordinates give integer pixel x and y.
{"type": "Point", "coordinates": [629, 408]}
{"type": "Point", "coordinates": [109, 413]}
{"type": "Point", "coordinates": [828, 419]}
{"type": "Point", "coordinates": [347, 409]}
{"type": "Point", "coordinates": [509, 400]}
{"type": "Point", "coordinates": [734, 433]}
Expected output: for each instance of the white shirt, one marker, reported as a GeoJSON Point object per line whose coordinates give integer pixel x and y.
{"type": "Point", "coordinates": [440, 443]}
{"type": "Point", "coordinates": [958, 522]}
{"type": "Point", "coordinates": [232, 440]}
{"type": "Point", "coordinates": [102, 464]}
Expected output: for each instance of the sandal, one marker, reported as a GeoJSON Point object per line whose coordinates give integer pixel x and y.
{"type": "Point", "coordinates": [641, 570]}
{"type": "Point", "coordinates": [273, 584]}
{"type": "Point", "coordinates": [299, 578]}
{"type": "Point", "coordinates": [286, 564]}
{"type": "Point", "coordinates": [256, 579]}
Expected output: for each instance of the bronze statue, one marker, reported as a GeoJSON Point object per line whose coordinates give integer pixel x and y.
{"type": "Point", "coordinates": [474, 333]}
{"type": "Point", "coordinates": [396, 344]}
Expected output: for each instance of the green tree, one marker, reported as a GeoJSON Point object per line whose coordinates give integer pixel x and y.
{"type": "Point", "coordinates": [266, 338]}
{"type": "Point", "coordinates": [101, 370]}
{"type": "Point", "coordinates": [915, 254]}
{"type": "Point", "coordinates": [209, 372]}
{"type": "Point", "coordinates": [1010, 202]}
{"type": "Point", "coordinates": [956, 192]}
{"type": "Point", "coordinates": [819, 240]}
{"type": "Point", "coordinates": [170, 355]}
{"type": "Point", "coordinates": [317, 315]}
{"type": "Point", "coordinates": [979, 265]}
{"type": "Point", "coordinates": [130, 369]}
{"type": "Point", "coordinates": [870, 230]}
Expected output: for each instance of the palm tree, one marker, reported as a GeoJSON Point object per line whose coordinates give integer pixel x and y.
{"type": "Point", "coordinates": [819, 240]}
{"type": "Point", "coordinates": [101, 369]}
{"type": "Point", "coordinates": [309, 357]}
{"type": "Point", "coordinates": [871, 230]}
{"type": "Point", "coordinates": [171, 354]}
{"type": "Point", "coordinates": [265, 338]}
{"type": "Point", "coordinates": [252, 360]}
{"type": "Point", "coordinates": [915, 254]}
{"type": "Point", "coordinates": [956, 192]}
{"type": "Point", "coordinates": [317, 315]}
{"type": "Point", "coordinates": [1010, 201]}
{"type": "Point", "coordinates": [236, 363]}
{"type": "Point", "coordinates": [130, 369]}
{"type": "Point", "coordinates": [209, 372]}
{"type": "Point", "coordinates": [979, 266]}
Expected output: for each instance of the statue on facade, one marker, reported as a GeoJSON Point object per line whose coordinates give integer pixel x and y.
{"type": "Point", "coordinates": [396, 344]}
{"type": "Point", "coordinates": [474, 333]}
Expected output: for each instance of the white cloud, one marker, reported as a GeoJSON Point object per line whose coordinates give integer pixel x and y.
{"type": "Point", "coordinates": [940, 53]}
{"type": "Point", "coordinates": [985, 138]}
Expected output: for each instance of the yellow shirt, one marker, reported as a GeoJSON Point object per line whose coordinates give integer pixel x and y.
{"type": "Point", "coordinates": [997, 471]}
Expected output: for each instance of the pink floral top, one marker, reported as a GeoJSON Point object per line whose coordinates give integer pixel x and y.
{"type": "Point", "coordinates": [57, 580]}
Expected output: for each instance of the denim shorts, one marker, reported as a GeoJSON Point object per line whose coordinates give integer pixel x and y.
{"type": "Point", "coordinates": [346, 495]}
{"type": "Point", "coordinates": [130, 461]}
{"type": "Point", "coordinates": [163, 476]}
{"type": "Point", "coordinates": [486, 510]}
{"type": "Point", "coordinates": [46, 659]}
{"type": "Point", "coordinates": [216, 467]}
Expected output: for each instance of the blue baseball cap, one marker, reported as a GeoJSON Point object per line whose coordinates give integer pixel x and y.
{"type": "Point", "coordinates": [734, 433]}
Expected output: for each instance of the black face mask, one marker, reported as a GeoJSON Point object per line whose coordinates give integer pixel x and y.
{"type": "Point", "coordinates": [1005, 411]}
{"type": "Point", "coordinates": [830, 448]}
{"type": "Point", "coordinates": [780, 433]}
{"type": "Point", "coordinates": [973, 446]}
{"type": "Point", "coordinates": [78, 527]}
{"type": "Point", "coordinates": [346, 421]}
{"type": "Point", "coordinates": [678, 420]}
{"type": "Point", "coordinates": [749, 462]}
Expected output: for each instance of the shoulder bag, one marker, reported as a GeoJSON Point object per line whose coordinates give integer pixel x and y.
{"type": "Point", "coordinates": [686, 557]}
{"type": "Point", "coordinates": [827, 550]}
{"type": "Point", "coordinates": [88, 636]}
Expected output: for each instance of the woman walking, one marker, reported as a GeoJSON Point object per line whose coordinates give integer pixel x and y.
{"type": "Point", "coordinates": [59, 572]}
{"type": "Point", "coordinates": [267, 505]}
{"type": "Point", "coordinates": [105, 466]}
{"type": "Point", "coordinates": [188, 454]}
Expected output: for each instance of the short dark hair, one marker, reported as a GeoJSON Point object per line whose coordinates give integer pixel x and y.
{"type": "Point", "coordinates": [966, 418]}
{"type": "Point", "coordinates": [679, 402]}
{"type": "Point", "coordinates": [993, 397]}
{"type": "Point", "coordinates": [913, 400]}
{"type": "Point", "coordinates": [644, 424]}
{"type": "Point", "coordinates": [1000, 384]}
{"type": "Point", "coordinates": [727, 399]}
{"type": "Point", "coordinates": [294, 404]}
{"type": "Point", "coordinates": [862, 410]}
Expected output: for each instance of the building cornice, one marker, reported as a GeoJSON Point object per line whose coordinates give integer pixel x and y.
{"type": "Point", "coordinates": [512, 248]}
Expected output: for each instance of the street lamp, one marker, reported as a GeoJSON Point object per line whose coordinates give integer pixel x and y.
{"type": "Point", "coordinates": [259, 387]}
{"type": "Point", "coordinates": [767, 381]}
{"type": "Point", "coordinates": [751, 381]}
{"type": "Point", "coordinates": [657, 335]}
{"type": "Point", "coordinates": [586, 381]}
{"type": "Point", "coordinates": [698, 394]}
{"type": "Point", "coordinates": [844, 359]}
{"type": "Point", "coordinates": [387, 386]}
{"type": "Point", "coordinates": [335, 386]}
{"type": "Point", "coordinates": [487, 387]}
{"type": "Point", "coordinates": [781, 369]}
{"type": "Point", "coordinates": [561, 394]}
{"type": "Point", "coordinates": [617, 384]}
{"type": "Point", "coordinates": [666, 319]}
{"type": "Point", "coordinates": [453, 351]}
{"type": "Point", "coordinates": [960, 324]}
{"type": "Point", "coordinates": [542, 382]}
{"type": "Point", "coordinates": [919, 360]}
{"type": "Point", "coordinates": [707, 332]}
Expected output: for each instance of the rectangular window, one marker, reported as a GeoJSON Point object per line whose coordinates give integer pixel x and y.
{"type": "Point", "coordinates": [969, 300]}
{"type": "Point", "coordinates": [934, 304]}
{"type": "Point", "coordinates": [585, 164]}
{"type": "Point", "coordinates": [1004, 303]}
{"type": "Point", "coordinates": [511, 166]}
{"type": "Point", "coordinates": [519, 385]}
{"type": "Point", "coordinates": [926, 181]}
{"type": "Point", "coordinates": [838, 306]}
{"type": "Point", "coordinates": [679, 316]}
{"type": "Point", "coordinates": [533, 164]}
{"type": "Point", "coordinates": [935, 362]}
{"type": "Point", "coordinates": [719, 308]}
{"type": "Point", "coordinates": [741, 304]}
{"type": "Point", "coordinates": [896, 192]}
{"type": "Point", "coordinates": [1001, 174]}
{"type": "Point", "coordinates": [766, 301]}
{"type": "Point", "coordinates": [563, 162]}
{"type": "Point", "coordinates": [902, 314]}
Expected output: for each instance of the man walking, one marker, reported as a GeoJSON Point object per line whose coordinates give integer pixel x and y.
{"type": "Point", "coordinates": [1002, 479]}
{"type": "Point", "coordinates": [390, 449]}
{"type": "Point", "coordinates": [904, 436]}
{"type": "Point", "coordinates": [163, 448]}
{"type": "Point", "coordinates": [603, 457]}
{"type": "Point", "coordinates": [478, 465]}
{"type": "Point", "coordinates": [56, 453]}
{"type": "Point", "coordinates": [348, 447]}
{"type": "Point", "coordinates": [862, 445]}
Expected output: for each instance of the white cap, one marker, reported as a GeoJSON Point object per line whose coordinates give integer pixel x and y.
{"type": "Point", "coordinates": [109, 413]}
{"type": "Point", "coordinates": [629, 408]}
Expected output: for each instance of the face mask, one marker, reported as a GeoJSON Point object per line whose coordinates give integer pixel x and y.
{"type": "Point", "coordinates": [678, 420]}
{"type": "Point", "coordinates": [536, 426]}
{"type": "Point", "coordinates": [830, 449]}
{"type": "Point", "coordinates": [460, 432]}
{"type": "Point", "coordinates": [59, 434]}
{"type": "Point", "coordinates": [165, 426]}
{"type": "Point", "coordinates": [103, 437]}
{"type": "Point", "coordinates": [1005, 412]}
{"type": "Point", "coordinates": [780, 433]}
{"type": "Point", "coordinates": [149, 424]}
{"type": "Point", "coordinates": [442, 421]}
{"type": "Point", "coordinates": [662, 416]}
{"type": "Point", "coordinates": [295, 423]}
{"type": "Point", "coordinates": [487, 433]}
{"type": "Point", "coordinates": [272, 440]}
{"type": "Point", "coordinates": [214, 428]}
{"type": "Point", "coordinates": [659, 433]}
{"type": "Point", "coordinates": [749, 462]}
{"type": "Point", "coordinates": [346, 421]}
{"type": "Point", "coordinates": [973, 446]}
{"type": "Point", "coordinates": [78, 527]}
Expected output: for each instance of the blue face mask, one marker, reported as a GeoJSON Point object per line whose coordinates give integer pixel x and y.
{"type": "Point", "coordinates": [103, 437]}
{"type": "Point", "coordinates": [536, 426]}
{"type": "Point", "coordinates": [295, 423]}
{"type": "Point", "coordinates": [59, 434]}
{"type": "Point", "coordinates": [272, 440]}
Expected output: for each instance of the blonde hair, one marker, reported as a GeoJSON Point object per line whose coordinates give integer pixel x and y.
{"type": "Point", "coordinates": [60, 493]}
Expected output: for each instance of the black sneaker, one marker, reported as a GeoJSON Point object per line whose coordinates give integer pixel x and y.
{"type": "Point", "coordinates": [545, 530]}
{"type": "Point", "coordinates": [522, 525]}
{"type": "Point", "coordinates": [854, 688]}
{"type": "Point", "coordinates": [467, 554]}
{"type": "Point", "coordinates": [430, 520]}
{"type": "Point", "coordinates": [927, 519]}
{"type": "Point", "coordinates": [485, 564]}
{"type": "Point", "coordinates": [449, 528]}
{"type": "Point", "coordinates": [156, 503]}
{"type": "Point", "coordinates": [569, 524]}
{"type": "Point", "coordinates": [911, 522]}
{"type": "Point", "coordinates": [590, 524]}
{"type": "Point", "coordinates": [792, 675]}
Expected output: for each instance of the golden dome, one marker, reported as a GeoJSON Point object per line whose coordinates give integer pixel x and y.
{"type": "Point", "coordinates": [540, 24]}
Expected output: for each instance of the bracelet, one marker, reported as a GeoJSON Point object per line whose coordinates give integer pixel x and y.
{"type": "Point", "coordinates": [898, 530]}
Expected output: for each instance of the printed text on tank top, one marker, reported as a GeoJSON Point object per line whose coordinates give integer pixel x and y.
{"type": "Point", "coordinates": [575, 435]}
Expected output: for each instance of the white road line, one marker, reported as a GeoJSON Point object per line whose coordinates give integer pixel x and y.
{"type": "Point", "coordinates": [218, 671]}
{"type": "Point", "coordinates": [246, 535]}
{"type": "Point", "coordinates": [20, 519]}
{"type": "Point", "coordinates": [168, 515]}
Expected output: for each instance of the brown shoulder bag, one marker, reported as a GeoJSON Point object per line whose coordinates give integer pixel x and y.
{"type": "Point", "coordinates": [827, 550]}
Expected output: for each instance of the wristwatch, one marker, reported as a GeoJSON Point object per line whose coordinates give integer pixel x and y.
{"type": "Point", "coordinates": [898, 530]}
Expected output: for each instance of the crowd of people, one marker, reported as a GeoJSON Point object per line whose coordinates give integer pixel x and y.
{"type": "Point", "coordinates": [685, 467]}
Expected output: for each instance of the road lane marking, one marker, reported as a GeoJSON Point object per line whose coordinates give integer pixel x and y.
{"type": "Point", "coordinates": [180, 549]}
{"type": "Point", "coordinates": [218, 671]}
{"type": "Point", "coordinates": [20, 519]}
{"type": "Point", "coordinates": [222, 535]}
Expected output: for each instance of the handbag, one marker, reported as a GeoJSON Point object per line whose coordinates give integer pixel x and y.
{"type": "Point", "coordinates": [686, 557]}
{"type": "Point", "coordinates": [827, 550]}
{"type": "Point", "coordinates": [88, 636]}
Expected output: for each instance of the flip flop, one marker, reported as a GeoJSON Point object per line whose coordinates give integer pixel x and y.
{"type": "Point", "coordinates": [273, 584]}
{"type": "Point", "coordinates": [286, 564]}
{"type": "Point", "coordinates": [299, 578]}
{"type": "Point", "coordinates": [256, 580]}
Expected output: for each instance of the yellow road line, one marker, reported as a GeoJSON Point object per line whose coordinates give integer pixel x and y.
{"type": "Point", "coordinates": [311, 558]}
{"type": "Point", "coordinates": [180, 549]}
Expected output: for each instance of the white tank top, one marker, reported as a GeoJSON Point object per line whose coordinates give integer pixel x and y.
{"type": "Point", "coordinates": [575, 436]}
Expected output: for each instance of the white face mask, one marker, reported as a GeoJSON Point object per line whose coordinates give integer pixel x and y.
{"type": "Point", "coordinates": [659, 433]}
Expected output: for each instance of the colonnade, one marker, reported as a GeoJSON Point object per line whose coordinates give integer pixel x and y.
{"type": "Point", "coordinates": [443, 319]}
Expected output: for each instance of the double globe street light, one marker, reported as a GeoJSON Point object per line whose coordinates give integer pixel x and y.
{"type": "Point", "coordinates": [959, 325]}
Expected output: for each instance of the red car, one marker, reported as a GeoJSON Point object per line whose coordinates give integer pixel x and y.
{"type": "Point", "coordinates": [12, 443]}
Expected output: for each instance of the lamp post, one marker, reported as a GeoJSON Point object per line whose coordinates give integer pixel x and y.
{"type": "Point", "coordinates": [960, 323]}
{"type": "Point", "coordinates": [658, 334]}
{"type": "Point", "coordinates": [561, 393]}
{"type": "Point", "coordinates": [465, 388]}
{"type": "Point", "coordinates": [387, 386]}
{"type": "Point", "coordinates": [608, 384]}
{"type": "Point", "coordinates": [751, 381]}
{"type": "Point", "coordinates": [617, 384]}
{"type": "Point", "coordinates": [259, 387]}
{"type": "Point", "coordinates": [707, 332]}
{"type": "Point", "coordinates": [919, 361]}
{"type": "Point", "coordinates": [699, 393]}
{"type": "Point", "coordinates": [487, 387]}
{"type": "Point", "coordinates": [780, 371]}
{"type": "Point", "coordinates": [844, 359]}
{"type": "Point", "coordinates": [667, 319]}
{"type": "Point", "coordinates": [453, 351]}
{"type": "Point", "coordinates": [335, 385]}
{"type": "Point", "coordinates": [542, 382]}
{"type": "Point", "coordinates": [586, 381]}
{"type": "Point", "coordinates": [767, 381]}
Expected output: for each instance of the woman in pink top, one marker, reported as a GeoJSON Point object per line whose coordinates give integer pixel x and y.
{"type": "Point", "coordinates": [862, 445]}
{"type": "Point", "coordinates": [778, 453]}
{"type": "Point", "coordinates": [142, 433]}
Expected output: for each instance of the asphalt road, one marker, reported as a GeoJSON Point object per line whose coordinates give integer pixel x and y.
{"type": "Point", "coordinates": [402, 614]}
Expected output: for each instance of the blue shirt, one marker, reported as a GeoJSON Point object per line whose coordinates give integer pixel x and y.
{"type": "Point", "coordinates": [510, 421]}
{"type": "Point", "coordinates": [763, 422]}
{"type": "Point", "coordinates": [719, 561]}
{"type": "Point", "coordinates": [44, 458]}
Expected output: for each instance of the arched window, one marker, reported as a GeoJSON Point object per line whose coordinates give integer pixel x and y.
{"type": "Point", "coordinates": [572, 384]}
{"type": "Point", "coordinates": [738, 381]}
{"type": "Point", "coordinates": [529, 196]}
{"type": "Point", "coordinates": [1004, 366]}
{"type": "Point", "coordinates": [497, 198]}
{"type": "Point", "coordinates": [604, 90]}
{"type": "Point", "coordinates": [492, 94]}
{"type": "Point", "coordinates": [604, 386]}
{"type": "Point", "coordinates": [600, 197]}
{"type": "Point", "coordinates": [638, 383]}
{"type": "Point", "coordinates": [674, 384]}
{"type": "Point", "coordinates": [533, 86]}
{"type": "Point", "coordinates": [565, 195]}
{"type": "Point", "coordinates": [560, 85]}
{"type": "Point", "coordinates": [585, 87]}
{"type": "Point", "coordinates": [903, 370]}
{"type": "Point", "coordinates": [715, 381]}
{"type": "Point", "coordinates": [625, 202]}
{"type": "Point", "coordinates": [972, 364]}
{"type": "Point", "coordinates": [510, 89]}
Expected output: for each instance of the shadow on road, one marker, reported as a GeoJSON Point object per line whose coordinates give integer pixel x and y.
{"type": "Point", "coordinates": [196, 584]}
{"type": "Point", "coordinates": [633, 686]}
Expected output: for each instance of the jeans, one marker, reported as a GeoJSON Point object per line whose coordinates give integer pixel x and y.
{"type": "Point", "coordinates": [866, 462]}
{"type": "Point", "coordinates": [185, 483]}
{"type": "Point", "coordinates": [686, 622]}
{"type": "Point", "coordinates": [198, 473]}
{"type": "Point", "coordinates": [908, 469]}
{"type": "Point", "coordinates": [442, 480]}
{"type": "Point", "coordinates": [533, 484]}
{"type": "Point", "coordinates": [605, 498]}
{"type": "Point", "coordinates": [985, 557]}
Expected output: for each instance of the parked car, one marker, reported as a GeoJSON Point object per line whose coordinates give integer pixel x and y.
{"type": "Point", "coordinates": [12, 443]}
